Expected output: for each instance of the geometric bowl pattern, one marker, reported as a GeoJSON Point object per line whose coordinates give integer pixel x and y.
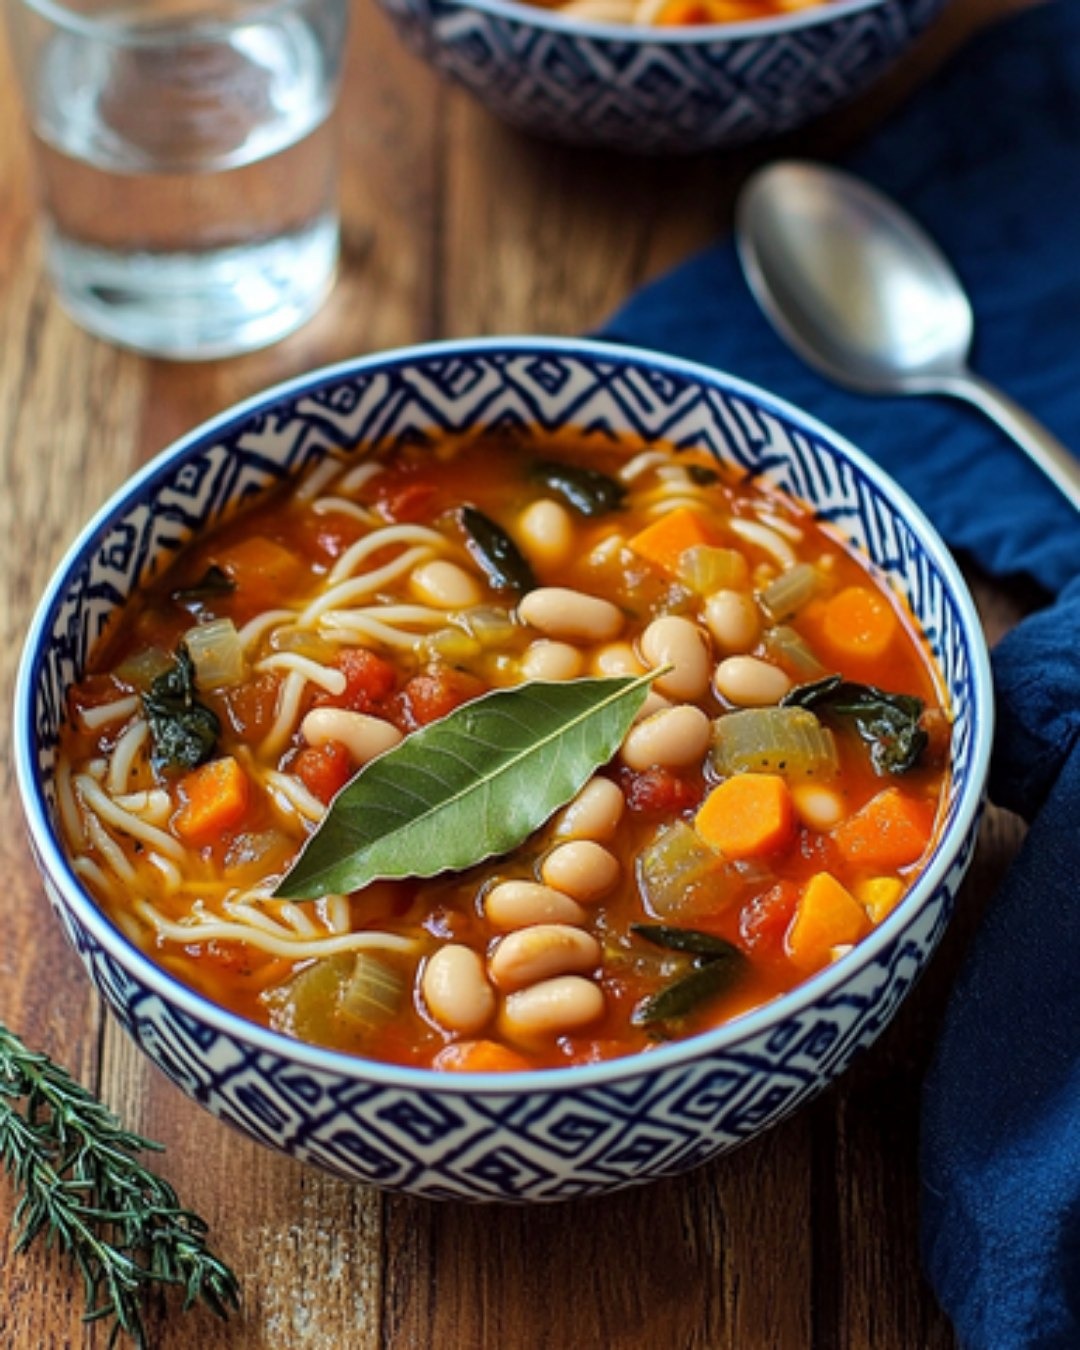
{"type": "Point", "coordinates": [659, 90]}
{"type": "Point", "coordinates": [539, 1136]}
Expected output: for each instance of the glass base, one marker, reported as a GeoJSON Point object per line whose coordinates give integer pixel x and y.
{"type": "Point", "coordinates": [197, 306]}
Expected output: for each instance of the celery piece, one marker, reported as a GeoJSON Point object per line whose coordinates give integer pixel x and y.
{"type": "Point", "coordinates": [785, 741]}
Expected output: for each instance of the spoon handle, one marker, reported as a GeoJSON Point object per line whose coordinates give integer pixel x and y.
{"type": "Point", "coordinates": [1058, 463]}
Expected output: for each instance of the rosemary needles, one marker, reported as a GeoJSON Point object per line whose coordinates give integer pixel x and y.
{"type": "Point", "coordinates": [82, 1188]}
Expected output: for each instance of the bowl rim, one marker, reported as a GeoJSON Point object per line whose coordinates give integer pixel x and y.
{"type": "Point", "coordinates": [777, 25]}
{"type": "Point", "coordinates": [53, 862]}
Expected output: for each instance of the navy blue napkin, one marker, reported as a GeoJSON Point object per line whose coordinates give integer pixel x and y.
{"type": "Point", "coordinates": [987, 157]}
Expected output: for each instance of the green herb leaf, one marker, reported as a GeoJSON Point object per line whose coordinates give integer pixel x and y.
{"type": "Point", "coordinates": [690, 991]}
{"type": "Point", "coordinates": [471, 786]}
{"type": "Point", "coordinates": [214, 583]}
{"type": "Point", "coordinates": [889, 723]}
{"type": "Point", "coordinates": [691, 940]}
{"type": "Point", "coordinates": [496, 552]}
{"type": "Point", "coordinates": [587, 490]}
{"type": "Point", "coordinates": [183, 731]}
{"type": "Point", "coordinates": [83, 1190]}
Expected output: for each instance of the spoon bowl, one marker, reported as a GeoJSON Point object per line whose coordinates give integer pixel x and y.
{"type": "Point", "coordinates": [864, 295]}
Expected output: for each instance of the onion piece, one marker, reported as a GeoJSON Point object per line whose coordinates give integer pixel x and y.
{"type": "Point", "coordinates": [216, 653]}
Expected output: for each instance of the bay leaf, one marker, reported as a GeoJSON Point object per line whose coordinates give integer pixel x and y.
{"type": "Point", "coordinates": [470, 786]}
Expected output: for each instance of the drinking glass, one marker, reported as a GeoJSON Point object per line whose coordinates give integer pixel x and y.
{"type": "Point", "coordinates": [187, 163]}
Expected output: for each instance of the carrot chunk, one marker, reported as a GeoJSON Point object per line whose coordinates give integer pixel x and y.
{"type": "Point", "coordinates": [827, 916]}
{"type": "Point", "coordinates": [858, 622]}
{"type": "Point", "coordinates": [479, 1057]}
{"type": "Point", "coordinates": [215, 798]}
{"type": "Point", "coordinates": [879, 896]}
{"type": "Point", "coordinates": [892, 830]}
{"type": "Point", "coordinates": [747, 816]}
{"type": "Point", "coordinates": [669, 536]}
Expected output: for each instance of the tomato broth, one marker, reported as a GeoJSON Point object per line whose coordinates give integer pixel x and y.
{"type": "Point", "coordinates": [773, 801]}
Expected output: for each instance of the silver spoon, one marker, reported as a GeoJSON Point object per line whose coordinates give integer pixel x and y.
{"type": "Point", "coordinates": [863, 294]}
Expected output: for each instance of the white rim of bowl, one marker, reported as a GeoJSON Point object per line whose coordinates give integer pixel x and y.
{"type": "Point", "coordinates": [725, 1038]}
{"type": "Point", "coordinates": [538, 16]}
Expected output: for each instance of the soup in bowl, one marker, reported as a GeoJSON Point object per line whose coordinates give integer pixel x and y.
{"type": "Point", "coordinates": [671, 77]}
{"type": "Point", "coordinates": [465, 766]}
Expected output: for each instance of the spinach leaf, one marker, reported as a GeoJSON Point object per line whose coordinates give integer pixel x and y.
{"type": "Point", "coordinates": [684, 940]}
{"type": "Point", "coordinates": [183, 731]}
{"type": "Point", "coordinates": [496, 552]}
{"type": "Point", "coordinates": [717, 965]}
{"type": "Point", "coordinates": [890, 724]}
{"type": "Point", "coordinates": [586, 490]}
{"type": "Point", "coordinates": [470, 786]}
{"type": "Point", "coordinates": [213, 583]}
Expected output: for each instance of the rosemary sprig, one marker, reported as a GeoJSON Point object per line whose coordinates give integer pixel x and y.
{"type": "Point", "coordinates": [82, 1189]}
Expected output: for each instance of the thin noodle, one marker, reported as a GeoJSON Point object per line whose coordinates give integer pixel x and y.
{"type": "Point", "coordinates": [326, 677]}
{"type": "Point", "coordinates": [641, 464]}
{"type": "Point", "coordinates": [262, 623]}
{"type": "Point", "coordinates": [151, 804]}
{"type": "Point", "coordinates": [170, 873]}
{"type": "Point", "coordinates": [93, 719]}
{"type": "Point", "coordinates": [374, 621]}
{"type": "Point", "coordinates": [317, 478]}
{"type": "Point", "coordinates": [304, 802]}
{"type": "Point", "coordinates": [111, 852]}
{"type": "Point", "coordinates": [358, 475]}
{"type": "Point", "coordinates": [97, 801]}
{"type": "Point", "coordinates": [88, 869]}
{"type": "Point", "coordinates": [288, 708]}
{"type": "Point", "coordinates": [69, 807]}
{"type": "Point", "coordinates": [356, 588]}
{"type": "Point", "coordinates": [341, 506]}
{"type": "Point", "coordinates": [297, 948]}
{"type": "Point", "coordinates": [787, 528]}
{"type": "Point", "coordinates": [337, 913]}
{"type": "Point", "coordinates": [392, 534]}
{"type": "Point", "coordinates": [126, 752]}
{"type": "Point", "coordinates": [768, 540]}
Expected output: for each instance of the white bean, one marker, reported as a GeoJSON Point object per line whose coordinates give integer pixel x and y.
{"type": "Point", "coordinates": [594, 813]}
{"type": "Point", "coordinates": [552, 1007]}
{"type": "Point", "coordinates": [651, 705]}
{"type": "Point", "coordinates": [571, 615]}
{"type": "Point", "coordinates": [445, 585]}
{"type": "Point", "coordinates": [749, 682]}
{"type": "Point", "coordinates": [617, 658]}
{"type": "Point", "coordinates": [819, 807]}
{"type": "Point", "coordinates": [678, 642]}
{"type": "Point", "coordinates": [733, 620]}
{"type": "Point", "coordinates": [519, 904]}
{"type": "Point", "coordinates": [581, 868]}
{"type": "Point", "coordinates": [364, 737]}
{"type": "Point", "coordinates": [673, 738]}
{"type": "Point", "coordinates": [456, 989]}
{"type": "Point", "coordinates": [548, 660]}
{"type": "Point", "coordinates": [545, 533]}
{"type": "Point", "coordinates": [539, 952]}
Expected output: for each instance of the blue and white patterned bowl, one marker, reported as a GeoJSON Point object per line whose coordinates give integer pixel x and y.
{"type": "Point", "coordinates": [543, 1135]}
{"type": "Point", "coordinates": [659, 90]}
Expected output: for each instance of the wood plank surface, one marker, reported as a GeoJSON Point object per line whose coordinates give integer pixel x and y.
{"type": "Point", "coordinates": [455, 226]}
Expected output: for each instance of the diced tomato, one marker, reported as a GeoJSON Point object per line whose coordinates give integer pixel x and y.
{"type": "Point", "coordinates": [434, 693]}
{"type": "Point", "coordinates": [764, 920]}
{"type": "Point", "coordinates": [660, 792]}
{"type": "Point", "coordinates": [369, 681]}
{"type": "Point", "coordinates": [408, 502]}
{"type": "Point", "coordinates": [250, 706]}
{"type": "Point", "coordinates": [323, 769]}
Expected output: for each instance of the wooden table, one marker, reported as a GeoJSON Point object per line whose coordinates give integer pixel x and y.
{"type": "Point", "coordinates": [455, 226]}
